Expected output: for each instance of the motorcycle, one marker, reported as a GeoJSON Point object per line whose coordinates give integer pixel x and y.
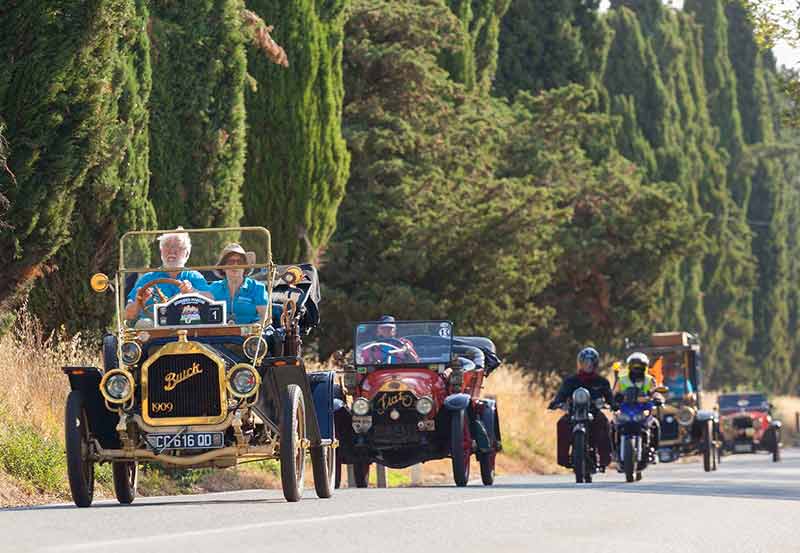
{"type": "Point", "coordinates": [584, 455]}
{"type": "Point", "coordinates": [636, 432]}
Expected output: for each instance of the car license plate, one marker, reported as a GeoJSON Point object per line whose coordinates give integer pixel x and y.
{"type": "Point", "coordinates": [185, 440]}
{"type": "Point", "coordinates": [742, 448]}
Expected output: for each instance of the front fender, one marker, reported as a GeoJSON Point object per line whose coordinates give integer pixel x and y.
{"type": "Point", "coordinates": [456, 402]}
{"type": "Point", "coordinates": [322, 393]}
{"type": "Point", "coordinates": [490, 419]}
{"type": "Point", "coordinates": [102, 422]}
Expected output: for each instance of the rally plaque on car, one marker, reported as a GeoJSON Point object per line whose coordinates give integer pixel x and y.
{"type": "Point", "coordinates": [191, 310]}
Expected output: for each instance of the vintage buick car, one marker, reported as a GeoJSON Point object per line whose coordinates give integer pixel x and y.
{"type": "Point", "coordinates": [686, 428]}
{"type": "Point", "coordinates": [414, 393]}
{"type": "Point", "coordinates": [747, 424]}
{"type": "Point", "coordinates": [192, 381]}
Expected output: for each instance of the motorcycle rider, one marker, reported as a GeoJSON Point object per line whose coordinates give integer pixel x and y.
{"type": "Point", "coordinates": [637, 376]}
{"type": "Point", "coordinates": [588, 361]}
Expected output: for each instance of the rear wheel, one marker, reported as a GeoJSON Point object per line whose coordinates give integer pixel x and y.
{"type": "Point", "coordinates": [293, 434]}
{"type": "Point", "coordinates": [80, 469]}
{"type": "Point", "coordinates": [338, 470]}
{"type": "Point", "coordinates": [776, 445]}
{"type": "Point", "coordinates": [460, 447]}
{"type": "Point", "coordinates": [361, 474]}
{"type": "Point", "coordinates": [579, 456]}
{"type": "Point", "coordinates": [487, 462]}
{"type": "Point", "coordinates": [708, 447]}
{"type": "Point", "coordinates": [125, 476]}
{"type": "Point", "coordinates": [628, 462]}
{"type": "Point", "coordinates": [323, 464]}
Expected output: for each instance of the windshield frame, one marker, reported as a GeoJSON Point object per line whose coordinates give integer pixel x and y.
{"type": "Point", "coordinates": [123, 271]}
{"type": "Point", "coordinates": [761, 406]}
{"type": "Point", "coordinates": [425, 364]}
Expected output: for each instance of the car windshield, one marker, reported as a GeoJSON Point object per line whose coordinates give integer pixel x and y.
{"type": "Point", "coordinates": [200, 250]}
{"type": "Point", "coordinates": [201, 258]}
{"type": "Point", "coordinates": [403, 342]}
{"type": "Point", "coordinates": [750, 402]}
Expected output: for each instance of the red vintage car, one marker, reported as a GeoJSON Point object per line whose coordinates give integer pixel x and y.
{"type": "Point", "coordinates": [747, 424]}
{"type": "Point", "coordinates": [413, 395]}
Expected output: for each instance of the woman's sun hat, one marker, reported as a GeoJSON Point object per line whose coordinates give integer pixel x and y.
{"type": "Point", "coordinates": [233, 248]}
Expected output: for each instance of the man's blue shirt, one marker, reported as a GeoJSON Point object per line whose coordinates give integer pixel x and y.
{"type": "Point", "coordinates": [241, 308]}
{"type": "Point", "coordinates": [197, 280]}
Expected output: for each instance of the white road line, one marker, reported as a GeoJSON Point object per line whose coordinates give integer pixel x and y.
{"type": "Point", "coordinates": [245, 527]}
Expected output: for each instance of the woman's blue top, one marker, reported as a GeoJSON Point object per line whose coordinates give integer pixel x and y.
{"type": "Point", "coordinates": [242, 307]}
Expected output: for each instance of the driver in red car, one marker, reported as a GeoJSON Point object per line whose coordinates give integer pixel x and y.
{"type": "Point", "coordinates": [387, 348]}
{"type": "Point", "coordinates": [175, 248]}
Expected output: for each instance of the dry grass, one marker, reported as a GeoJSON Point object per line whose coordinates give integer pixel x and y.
{"type": "Point", "coordinates": [32, 386]}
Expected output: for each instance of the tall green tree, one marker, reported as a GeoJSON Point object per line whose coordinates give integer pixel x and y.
{"type": "Point", "coordinates": [197, 112]}
{"type": "Point", "coordinates": [56, 99]}
{"type": "Point", "coordinates": [658, 74]}
{"type": "Point", "coordinates": [546, 44]}
{"type": "Point", "coordinates": [768, 209]}
{"type": "Point", "coordinates": [475, 62]}
{"type": "Point", "coordinates": [734, 325]}
{"type": "Point", "coordinates": [297, 160]}
{"type": "Point", "coordinates": [114, 198]}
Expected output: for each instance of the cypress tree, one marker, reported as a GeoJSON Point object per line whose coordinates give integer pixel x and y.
{"type": "Point", "coordinates": [732, 300]}
{"type": "Point", "coordinates": [768, 208]}
{"type": "Point", "coordinates": [197, 118]}
{"type": "Point", "coordinates": [297, 160]}
{"type": "Point", "coordinates": [546, 44]}
{"type": "Point", "coordinates": [60, 58]}
{"type": "Point", "coordinates": [475, 63]}
{"type": "Point", "coordinates": [114, 199]}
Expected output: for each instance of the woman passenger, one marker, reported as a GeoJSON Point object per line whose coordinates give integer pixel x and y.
{"type": "Point", "coordinates": [246, 299]}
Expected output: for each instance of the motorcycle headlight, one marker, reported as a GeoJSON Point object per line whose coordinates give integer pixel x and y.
{"type": "Point", "coordinates": [424, 406]}
{"type": "Point", "coordinates": [623, 417]}
{"type": "Point", "coordinates": [581, 396]}
{"type": "Point", "coordinates": [243, 380]}
{"type": "Point", "coordinates": [255, 347]}
{"type": "Point", "coordinates": [685, 416]}
{"type": "Point", "coordinates": [638, 417]}
{"type": "Point", "coordinates": [361, 407]}
{"type": "Point", "coordinates": [117, 386]}
{"type": "Point", "coordinates": [131, 352]}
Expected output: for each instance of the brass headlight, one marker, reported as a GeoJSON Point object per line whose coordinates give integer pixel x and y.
{"type": "Point", "coordinates": [131, 352]}
{"type": "Point", "coordinates": [255, 348]}
{"type": "Point", "coordinates": [243, 380]}
{"type": "Point", "coordinates": [117, 386]}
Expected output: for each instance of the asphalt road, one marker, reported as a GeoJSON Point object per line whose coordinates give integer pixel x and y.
{"type": "Point", "coordinates": [751, 505]}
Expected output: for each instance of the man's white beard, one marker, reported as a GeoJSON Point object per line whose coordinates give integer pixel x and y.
{"type": "Point", "coordinates": [177, 264]}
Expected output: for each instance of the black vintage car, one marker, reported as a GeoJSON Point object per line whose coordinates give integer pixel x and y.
{"type": "Point", "coordinates": [188, 381]}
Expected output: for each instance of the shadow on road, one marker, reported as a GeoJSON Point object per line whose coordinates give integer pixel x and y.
{"type": "Point", "coordinates": [712, 488]}
{"type": "Point", "coordinates": [142, 503]}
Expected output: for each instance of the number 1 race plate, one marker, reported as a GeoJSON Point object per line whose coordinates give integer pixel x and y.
{"type": "Point", "coordinates": [186, 440]}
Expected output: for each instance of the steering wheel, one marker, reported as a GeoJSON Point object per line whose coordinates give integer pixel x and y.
{"type": "Point", "coordinates": [394, 348]}
{"type": "Point", "coordinates": [156, 281]}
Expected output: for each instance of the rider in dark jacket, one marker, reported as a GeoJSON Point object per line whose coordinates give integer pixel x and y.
{"type": "Point", "coordinates": [588, 362]}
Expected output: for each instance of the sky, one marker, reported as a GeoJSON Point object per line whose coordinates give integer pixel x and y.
{"type": "Point", "coordinates": [785, 54]}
